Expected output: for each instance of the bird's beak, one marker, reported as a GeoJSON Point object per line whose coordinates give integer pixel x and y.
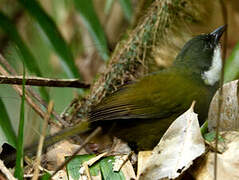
{"type": "Point", "coordinates": [217, 33]}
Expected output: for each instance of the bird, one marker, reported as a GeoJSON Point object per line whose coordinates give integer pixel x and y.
{"type": "Point", "coordinates": [140, 112]}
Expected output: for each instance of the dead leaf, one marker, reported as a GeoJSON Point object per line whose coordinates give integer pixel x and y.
{"type": "Point", "coordinates": [180, 145]}
{"type": "Point", "coordinates": [56, 155]}
{"type": "Point", "coordinates": [60, 175]}
{"type": "Point", "coordinates": [128, 171]}
{"type": "Point", "coordinates": [95, 159]}
{"type": "Point", "coordinates": [120, 161]}
{"type": "Point", "coordinates": [142, 158]}
{"type": "Point", "coordinates": [228, 161]}
{"type": "Point", "coordinates": [230, 108]}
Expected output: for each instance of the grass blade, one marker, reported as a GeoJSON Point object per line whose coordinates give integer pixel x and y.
{"type": "Point", "coordinates": [31, 63]}
{"type": "Point", "coordinates": [106, 167]}
{"type": "Point", "coordinates": [19, 160]}
{"type": "Point", "coordinates": [74, 166]}
{"type": "Point", "coordinates": [127, 9]}
{"type": "Point", "coordinates": [232, 65]}
{"type": "Point", "coordinates": [11, 30]}
{"type": "Point", "coordinates": [46, 176]}
{"type": "Point", "coordinates": [108, 6]}
{"type": "Point", "coordinates": [49, 27]}
{"type": "Point", "coordinates": [92, 23]}
{"type": "Point", "coordinates": [6, 126]}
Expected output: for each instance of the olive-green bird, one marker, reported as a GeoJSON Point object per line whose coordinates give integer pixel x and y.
{"type": "Point", "coordinates": [139, 113]}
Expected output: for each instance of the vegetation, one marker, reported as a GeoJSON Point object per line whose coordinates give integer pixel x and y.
{"type": "Point", "coordinates": [104, 43]}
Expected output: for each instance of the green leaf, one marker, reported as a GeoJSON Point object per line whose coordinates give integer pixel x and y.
{"type": "Point", "coordinates": [6, 126]}
{"type": "Point", "coordinates": [204, 128]}
{"type": "Point", "coordinates": [11, 30]}
{"type": "Point", "coordinates": [127, 8]}
{"type": "Point", "coordinates": [74, 166]}
{"type": "Point", "coordinates": [31, 63]}
{"type": "Point", "coordinates": [106, 166]}
{"type": "Point", "coordinates": [19, 160]}
{"type": "Point", "coordinates": [211, 136]}
{"type": "Point", "coordinates": [108, 6]}
{"type": "Point", "coordinates": [232, 65]}
{"type": "Point", "coordinates": [92, 23]}
{"type": "Point", "coordinates": [46, 176]}
{"type": "Point", "coordinates": [54, 36]}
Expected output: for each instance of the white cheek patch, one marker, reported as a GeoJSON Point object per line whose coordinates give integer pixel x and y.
{"type": "Point", "coordinates": [211, 76]}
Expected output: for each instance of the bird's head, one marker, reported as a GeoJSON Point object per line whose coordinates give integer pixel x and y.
{"type": "Point", "coordinates": [202, 54]}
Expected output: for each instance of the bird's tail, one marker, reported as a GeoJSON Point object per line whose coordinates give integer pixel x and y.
{"type": "Point", "coordinates": [31, 150]}
{"type": "Point", "coordinates": [80, 128]}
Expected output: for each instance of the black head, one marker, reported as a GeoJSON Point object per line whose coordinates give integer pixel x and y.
{"type": "Point", "coordinates": [199, 52]}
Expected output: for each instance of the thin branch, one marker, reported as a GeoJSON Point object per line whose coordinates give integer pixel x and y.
{"type": "Point", "coordinates": [5, 63]}
{"type": "Point", "coordinates": [93, 134]}
{"type": "Point", "coordinates": [224, 13]}
{"type": "Point", "coordinates": [37, 109]}
{"type": "Point", "coordinates": [31, 91]}
{"type": "Point", "coordinates": [41, 141]}
{"type": "Point", "coordinates": [5, 171]}
{"type": "Point", "coordinates": [39, 81]}
{"type": "Point", "coordinates": [30, 162]}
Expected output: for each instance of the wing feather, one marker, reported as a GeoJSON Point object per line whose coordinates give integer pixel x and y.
{"type": "Point", "coordinates": [145, 99]}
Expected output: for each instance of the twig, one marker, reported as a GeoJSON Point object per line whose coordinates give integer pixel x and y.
{"type": "Point", "coordinates": [28, 98]}
{"type": "Point", "coordinates": [31, 175]}
{"type": "Point", "coordinates": [6, 172]}
{"type": "Point", "coordinates": [119, 164]}
{"type": "Point", "coordinates": [31, 162]}
{"type": "Point", "coordinates": [80, 141]}
{"type": "Point", "coordinates": [7, 65]}
{"type": "Point", "coordinates": [42, 137]}
{"type": "Point", "coordinates": [95, 159]}
{"type": "Point", "coordinates": [94, 133]}
{"type": "Point", "coordinates": [39, 81]}
{"type": "Point", "coordinates": [31, 91]}
{"type": "Point", "coordinates": [87, 170]}
{"type": "Point", "coordinates": [63, 134]}
{"type": "Point", "coordinates": [224, 12]}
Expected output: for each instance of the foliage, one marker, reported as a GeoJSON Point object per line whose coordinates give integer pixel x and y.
{"type": "Point", "coordinates": [35, 43]}
{"type": "Point", "coordinates": [42, 39]}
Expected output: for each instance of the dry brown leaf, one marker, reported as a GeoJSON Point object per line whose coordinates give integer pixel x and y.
{"type": "Point", "coordinates": [228, 161]}
{"type": "Point", "coordinates": [56, 156]}
{"type": "Point", "coordinates": [95, 159]}
{"type": "Point", "coordinates": [230, 108]}
{"type": "Point", "coordinates": [128, 171]}
{"type": "Point", "coordinates": [142, 158]}
{"type": "Point", "coordinates": [119, 162]}
{"type": "Point", "coordinates": [60, 175]}
{"type": "Point", "coordinates": [180, 145]}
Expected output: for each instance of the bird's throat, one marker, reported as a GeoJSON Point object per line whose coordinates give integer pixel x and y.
{"type": "Point", "coordinates": [212, 75]}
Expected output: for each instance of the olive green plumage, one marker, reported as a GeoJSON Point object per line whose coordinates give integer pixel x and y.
{"type": "Point", "coordinates": [143, 111]}
{"type": "Point", "coordinates": [140, 112]}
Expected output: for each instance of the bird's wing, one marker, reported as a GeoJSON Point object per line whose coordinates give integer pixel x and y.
{"type": "Point", "coordinates": [155, 96]}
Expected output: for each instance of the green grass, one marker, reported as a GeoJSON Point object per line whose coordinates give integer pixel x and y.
{"type": "Point", "coordinates": [20, 138]}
